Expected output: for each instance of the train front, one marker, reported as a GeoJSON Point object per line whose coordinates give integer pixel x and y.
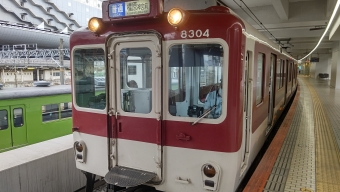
{"type": "Point", "coordinates": [157, 97]}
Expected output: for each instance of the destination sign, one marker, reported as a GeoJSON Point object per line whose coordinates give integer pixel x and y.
{"type": "Point", "coordinates": [129, 8]}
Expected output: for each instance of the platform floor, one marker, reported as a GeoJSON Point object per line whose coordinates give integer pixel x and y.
{"type": "Point", "coordinates": [304, 155]}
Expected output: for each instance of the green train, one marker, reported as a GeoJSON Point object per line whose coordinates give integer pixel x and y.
{"type": "Point", "coordinates": [33, 114]}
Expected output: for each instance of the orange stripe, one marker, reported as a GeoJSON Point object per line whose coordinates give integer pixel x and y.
{"type": "Point", "coordinates": [260, 176]}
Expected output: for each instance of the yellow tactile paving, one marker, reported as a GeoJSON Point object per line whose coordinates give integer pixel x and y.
{"type": "Point", "coordinates": [326, 149]}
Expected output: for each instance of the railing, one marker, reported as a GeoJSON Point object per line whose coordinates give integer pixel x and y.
{"type": "Point", "coordinates": [33, 58]}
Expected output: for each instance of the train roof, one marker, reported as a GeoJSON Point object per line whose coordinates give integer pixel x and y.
{"type": "Point", "coordinates": [24, 92]}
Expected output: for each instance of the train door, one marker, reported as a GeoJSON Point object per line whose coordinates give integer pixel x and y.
{"type": "Point", "coordinates": [5, 128]}
{"type": "Point", "coordinates": [19, 131]}
{"type": "Point", "coordinates": [247, 108]}
{"type": "Point", "coordinates": [136, 99]}
{"type": "Point", "coordinates": [13, 132]}
{"type": "Point", "coordinates": [271, 91]}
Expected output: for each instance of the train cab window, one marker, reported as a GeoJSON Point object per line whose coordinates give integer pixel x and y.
{"type": "Point", "coordinates": [3, 119]}
{"type": "Point", "coordinates": [18, 117]}
{"type": "Point", "coordinates": [89, 78]}
{"type": "Point", "coordinates": [136, 80]}
{"type": "Point", "coordinates": [259, 78]}
{"type": "Point", "coordinates": [195, 80]}
{"type": "Point", "coordinates": [65, 110]}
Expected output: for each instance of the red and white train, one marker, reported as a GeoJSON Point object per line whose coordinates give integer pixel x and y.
{"type": "Point", "coordinates": [140, 77]}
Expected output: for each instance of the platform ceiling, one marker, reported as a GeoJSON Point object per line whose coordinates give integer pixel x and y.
{"type": "Point", "coordinates": [297, 24]}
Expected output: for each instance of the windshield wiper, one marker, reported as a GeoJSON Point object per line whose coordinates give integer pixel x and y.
{"type": "Point", "coordinates": [204, 115]}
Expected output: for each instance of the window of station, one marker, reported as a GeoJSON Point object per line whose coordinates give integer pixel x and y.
{"type": "Point", "coordinates": [89, 78]}
{"type": "Point", "coordinates": [56, 111]}
{"type": "Point", "coordinates": [259, 78]}
{"type": "Point", "coordinates": [136, 80]}
{"type": "Point", "coordinates": [3, 119]}
{"type": "Point", "coordinates": [18, 117]}
{"type": "Point", "coordinates": [195, 80]}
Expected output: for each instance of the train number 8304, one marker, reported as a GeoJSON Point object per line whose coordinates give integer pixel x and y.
{"type": "Point", "coordinates": [194, 33]}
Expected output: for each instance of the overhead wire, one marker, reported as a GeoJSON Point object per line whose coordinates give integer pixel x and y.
{"type": "Point", "coordinates": [261, 24]}
{"type": "Point", "coordinates": [243, 10]}
{"type": "Point", "coordinates": [258, 22]}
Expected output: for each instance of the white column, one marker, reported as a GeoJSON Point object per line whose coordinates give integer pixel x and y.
{"type": "Point", "coordinates": [312, 71]}
{"type": "Point", "coordinates": [22, 76]}
{"type": "Point", "coordinates": [38, 75]}
{"type": "Point", "coordinates": [335, 70]}
{"type": "Point", "coordinates": [3, 75]}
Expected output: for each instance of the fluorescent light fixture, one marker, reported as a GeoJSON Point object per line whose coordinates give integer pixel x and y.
{"type": "Point", "coordinates": [329, 24]}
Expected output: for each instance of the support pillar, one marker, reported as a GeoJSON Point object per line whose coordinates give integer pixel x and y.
{"type": "Point", "coordinates": [3, 76]}
{"type": "Point", "coordinates": [61, 59]}
{"type": "Point", "coordinates": [38, 74]}
{"type": "Point", "coordinates": [335, 70]}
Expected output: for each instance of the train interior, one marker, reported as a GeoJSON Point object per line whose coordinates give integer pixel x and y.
{"type": "Point", "coordinates": [195, 70]}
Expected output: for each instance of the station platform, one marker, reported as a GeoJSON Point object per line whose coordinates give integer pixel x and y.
{"type": "Point", "coordinates": [304, 154]}
{"type": "Point", "coordinates": [45, 166]}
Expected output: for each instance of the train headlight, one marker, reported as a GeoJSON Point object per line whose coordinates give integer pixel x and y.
{"type": "Point", "coordinates": [95, 25]}
{"type": "Point", "coordinates": [209, 171]}
{"type": "Point", "coordinates": [80, 151]}
{"type": "Point", "coordinates": [210, 176]}
{"type": "Point", "coordinates": [79, 147]}
{"type": "Point", "coordinates": [175, 16]}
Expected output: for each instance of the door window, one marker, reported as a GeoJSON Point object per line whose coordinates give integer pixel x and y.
{"type": "Point", "coordinates": [3, 119]}
{"type": "Point", "coordinates": [18, 117]}
{"type": "Point", "coordinates": [259, 78]}
{"type": "Point", "coordinates": [136, 80]}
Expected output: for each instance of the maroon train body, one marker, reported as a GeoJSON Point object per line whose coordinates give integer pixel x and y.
{"type": "Point", "coordinates": [164, 130]}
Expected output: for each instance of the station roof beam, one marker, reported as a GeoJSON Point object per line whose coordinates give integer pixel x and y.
{"type": "Point", "coordinates": [282, 8]}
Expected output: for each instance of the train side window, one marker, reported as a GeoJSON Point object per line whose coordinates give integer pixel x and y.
{"type": "Point", "coordinates": [89, 78]}
{"type": "Point", "coordinates": [283, 75]}
{"type": "Point", "coordinates": [290, 72]}
{"type": "Point", "coordinates": [50, 112]}
{"type": "Point", "coordinates": [195, 71]}
{"type": "Point", "coordinates": [279, 74]}
{"type": "Point", "coordinates": [3, 119]}
{"type": "Point", "coordinates": [259, 78]}
{"type": "Point", "coordinates": [65, 110]}
{"type": "Point", "coordinates": [18, 117]}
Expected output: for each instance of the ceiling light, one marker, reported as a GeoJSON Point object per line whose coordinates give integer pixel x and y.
{"type": "Point", "coordinates": [323, 35]}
